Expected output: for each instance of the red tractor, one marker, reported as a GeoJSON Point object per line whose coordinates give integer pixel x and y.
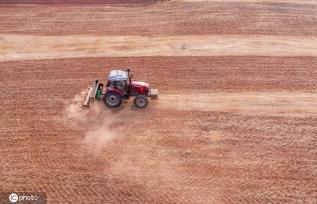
{"type": "Point", "coordinates": [120, 86]}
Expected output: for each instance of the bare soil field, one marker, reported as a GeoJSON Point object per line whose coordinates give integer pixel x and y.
{"type": "Point", "coordinates": [168, 18]}
{"type": "Point", "coordinates": [228, 127]}
{"type": "Point", "coordinates": [26, 47]}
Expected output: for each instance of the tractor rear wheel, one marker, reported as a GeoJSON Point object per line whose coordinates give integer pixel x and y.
{"type": "Point", "coordinates": [112, 100]}
{"type": "Point", "coordinates": [141, 101]}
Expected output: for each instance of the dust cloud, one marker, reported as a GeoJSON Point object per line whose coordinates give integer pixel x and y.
{"type": "Point", "coordinates": [100, 125]}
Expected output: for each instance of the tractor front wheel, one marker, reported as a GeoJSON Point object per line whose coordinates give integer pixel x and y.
{"type": "Point", "coordinates": [141, 101]}
{"type": "Point", "coordinates": [113, 100]}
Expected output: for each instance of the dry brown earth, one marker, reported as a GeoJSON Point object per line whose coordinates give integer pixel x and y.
{"type": "Point", "coordinates": [227, 128]}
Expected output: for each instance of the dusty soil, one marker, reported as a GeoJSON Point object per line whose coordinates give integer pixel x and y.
{"type": "Point", "coordinates": [227, 129]}
{"type": "Point", "coordinates": [26, 47]}
{"type": "Point", "coordinates": [168, 18]}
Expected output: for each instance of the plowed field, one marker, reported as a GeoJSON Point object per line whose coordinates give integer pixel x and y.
{"type": "Point", "coordinates": [236, 119]}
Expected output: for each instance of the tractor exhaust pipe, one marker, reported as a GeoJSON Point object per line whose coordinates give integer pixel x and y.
{"type": "Point", "coordinates": [129, 75]}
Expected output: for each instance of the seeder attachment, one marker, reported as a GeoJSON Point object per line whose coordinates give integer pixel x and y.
{"type": "Point", "coordinates": [91, 94]}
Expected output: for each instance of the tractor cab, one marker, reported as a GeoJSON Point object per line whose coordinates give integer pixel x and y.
{"type": "Point", "coordinates": [118, 77]}
{"type": "Point", "coordinates": [119, 81]}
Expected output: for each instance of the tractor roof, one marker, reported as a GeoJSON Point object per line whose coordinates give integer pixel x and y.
{"type": "Point", "coordinates": [118, 75]}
